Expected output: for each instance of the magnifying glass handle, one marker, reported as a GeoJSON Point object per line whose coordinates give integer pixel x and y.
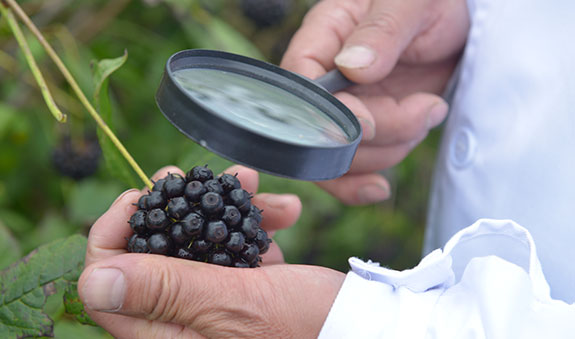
{"type": "Point", "coordinates": [334, 81]}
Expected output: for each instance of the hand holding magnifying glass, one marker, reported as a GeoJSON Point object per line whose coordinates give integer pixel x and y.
{"type": "Point", "coordinates": [260, 115]}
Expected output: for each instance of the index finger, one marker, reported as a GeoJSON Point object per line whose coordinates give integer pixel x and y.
{"type": "Point", "coordinates": [320, 38]}
{"type": "Point", "coordinates": [108, 236]}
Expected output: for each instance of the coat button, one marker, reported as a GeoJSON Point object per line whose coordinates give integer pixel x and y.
{"type": "Point", "coordinates": [463, 148]}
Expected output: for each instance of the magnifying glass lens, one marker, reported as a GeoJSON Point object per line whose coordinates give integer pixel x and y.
{"type": "Point", "coordinates": [261, 107]}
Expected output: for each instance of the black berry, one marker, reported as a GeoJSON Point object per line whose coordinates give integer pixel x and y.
{"type": "Point", "coordinates": [178, 207]}
{"type": "Point", "coordinates": [250, 227]}
{"type": "Point", "coordinates": [241, 199]}
{"type": "Point", "coordinates": [159, 243]}
{"type": "Point", "coordinates": [200, 173]}
{"type": "Point", "coordinates": [194, 191]}
{"type": "Point", "coordinates": [231, 216]}
{"type": "Point", "coordinates": [262, 241]}
{"type": "Point", "coordinates": [144, 202]}
{"type": "Point", "coordinates": [250, 253]}
{"type": "Point", "coordinates": [138, 222]}
{"type": "Point", "coordinates": [266, 13]}
{"type": "Point", "coordinates": [236, 242]}
{"type": "Point", "coordinates": [240, 263]}
{"type": "Point", "coordinates": [174, 185]}
{"type": "Point", "coordinates": [201, 246]}
{"type": "Point", "coordinates": [199, 218]}
{"type": "Point", "coordinates": [178, 235]}
{"type": "Point", "coordinates": [159, 185]}
{"type": "Point", "coordinates": [229, 182]}
{"type": "Point", "coordinates": [212, 203]}
{"type": "Point", "coordinates": [138, 244]}
{"type": "Point", "coordinates": [255, 213]}
{"type": "Point", "coordinates": [216, 231]}
{"type": "Point", "coordinates": [156, 200]}
{"type": "Point", "coordinates": [185, 253]}
{"type": "Point", "coordinates": [77, 159]}
{"type": "Point", "coordinates": [213, 185]}
{"type": "Point", "coordinates": [220, 258]}
{"type": "Point", "coordinates": [192, 224]}
{"type": "Point", "coordinates": [157, 220]}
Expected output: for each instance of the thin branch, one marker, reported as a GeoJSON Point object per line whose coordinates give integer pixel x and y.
{"type": "Point", "coordinates": [56, 112]}
{"type": "Point", "coordinates": [76, 88]}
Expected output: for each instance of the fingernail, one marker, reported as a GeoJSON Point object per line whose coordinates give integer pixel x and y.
{"type": "Point", "coordinates": [355, 57]}
{"type": "Point", "coordinates": [436, 114]}
{"type": "Point", "coordinates": [124, 194]}
{"type": "Point", "coordinates": [104, 290]}
{"type": "Point", "coordinates": [280, 201]}
{"type": "Point", "coordinates": [367, 128]}
{"type": "Point", "coordinates": [373, 193]}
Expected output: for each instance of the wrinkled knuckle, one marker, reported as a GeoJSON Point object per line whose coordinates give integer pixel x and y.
{"type": "Point", "coordinates": [163, 291]}
{"type": "Point", "coordinates": [337, 15]}
{"type": "Point", "coordinates": [93, 252]}
{"type": "Point", "coordinates": [270, 317]}
{"type": "Point", "coordinates": [314, 13]}
{"type": "Point", "coordinates": [384, 23]}
{"type": "Point", "coordinates": [91, 249]}
{"type": "Point", "coordinates": [416, 53]}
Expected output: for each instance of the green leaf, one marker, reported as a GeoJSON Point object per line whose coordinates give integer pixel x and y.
{"type": "Point", "coordinates": [213, 33]}
{"type": "Point", "coordinates": [74, 330]}
{"type": "Point", "coordinates": [75, 307]}
{"type": "Point", "coordinates": [115, 162]}
{"type": "Point", "coordinates": [228, 39]}
{"type": "Point", "coordinates": [9, 247]}
{"type": "Point", "coordinates": [102, 71]}
{"type": "Point", "coordinates": [25, 286]}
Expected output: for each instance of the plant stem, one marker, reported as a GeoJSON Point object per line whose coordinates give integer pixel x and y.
{"type": "Point", "coordinates": [56, 112]}
{"type": "Point", "coordinates": [65, 100]}
{"type": "Point", "coordinates": [101, 123]}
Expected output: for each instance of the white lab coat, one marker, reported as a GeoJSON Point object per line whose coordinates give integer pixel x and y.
{"type": "Point", "coordinates": [508, 153]}
{"type": "Point", "coordinates": [508, 150]}
{"type": "Point", "coordinates": [486, 283]}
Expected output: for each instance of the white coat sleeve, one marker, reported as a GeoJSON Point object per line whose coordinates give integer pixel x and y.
{"type": "Point", "coordinates": [486, 283]}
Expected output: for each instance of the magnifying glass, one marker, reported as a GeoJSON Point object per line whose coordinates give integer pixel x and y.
{"type": "Point", "coordinates": [260, 115]}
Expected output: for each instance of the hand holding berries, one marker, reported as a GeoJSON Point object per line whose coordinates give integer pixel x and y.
{"type": "Point", "coordinates": [200, 217]}
{"type": "Point", "coordinates": [165, 297]}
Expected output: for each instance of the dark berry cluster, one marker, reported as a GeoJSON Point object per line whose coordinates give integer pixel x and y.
{"type": "Point", "coordinates": [77, 160]}
{"type": "Point", "coordinates": [266, 13]}
{"type": "Point", "coordinates": [200, 217]}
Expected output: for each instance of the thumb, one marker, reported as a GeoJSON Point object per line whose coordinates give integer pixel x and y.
{"type": "Point", "coordinates": [211, 300]}
{"type": "Point", "coordinates": [169, 290]}
{"type": "Point", "coordinates": [372, 50]}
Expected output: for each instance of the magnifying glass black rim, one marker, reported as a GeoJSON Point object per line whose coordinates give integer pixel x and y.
{"type": "Point", "coordinates": [247, 147]}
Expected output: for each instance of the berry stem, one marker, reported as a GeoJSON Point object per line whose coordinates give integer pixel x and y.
{"type": "Point", "coordinates": [66, 73]}
{"type": "Point", "coordinates": [13, 24]}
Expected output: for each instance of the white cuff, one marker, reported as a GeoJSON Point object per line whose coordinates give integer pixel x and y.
{"type": "Point", "coordinates": [487, 283]}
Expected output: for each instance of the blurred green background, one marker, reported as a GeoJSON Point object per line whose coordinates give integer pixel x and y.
{"type": "Point", "coordinates": [39, 204]}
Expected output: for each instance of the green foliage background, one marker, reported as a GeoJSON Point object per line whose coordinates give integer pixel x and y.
{"type": "Point", "coordinates": [38, 205]}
